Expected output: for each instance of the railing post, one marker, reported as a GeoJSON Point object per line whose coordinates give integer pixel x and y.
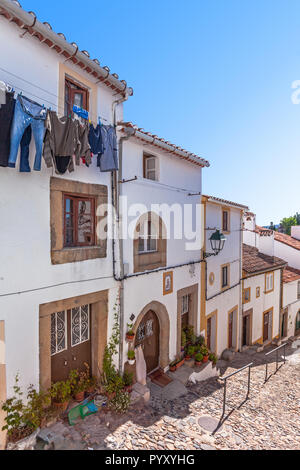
{"type": "Point", "coordinates": [276, 361]}
{"type": "Point", "coordinates": [249, 380]}
{"type": "Point", "coordinates": [224, 402]}
{"type": "Point", "coordinates": [266, 378]}
{"type": "Point", "coordinates": [284, 353]}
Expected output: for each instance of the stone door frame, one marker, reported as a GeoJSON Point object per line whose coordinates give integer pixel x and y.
{"type": "Point", "coordinates": [193, 291]}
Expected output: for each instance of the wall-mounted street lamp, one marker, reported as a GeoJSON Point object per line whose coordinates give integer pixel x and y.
{"type": "Point", "coordinates": [217, 241]}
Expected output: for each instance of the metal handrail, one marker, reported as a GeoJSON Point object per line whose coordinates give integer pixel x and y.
{"type": "Point", "coordinates": [248, 366]}
{"type": "Point", "coordinates": [273, 351]}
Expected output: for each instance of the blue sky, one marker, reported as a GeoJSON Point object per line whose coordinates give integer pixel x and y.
{"type": "Point", "coordinates": [213, 76]}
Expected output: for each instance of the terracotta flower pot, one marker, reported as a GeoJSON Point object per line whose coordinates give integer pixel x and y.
{"type": "Point", "coordinates": [62, 407]}
{"type": "Point", "coordinates": [205, 359]}
{"type": "Point", "coordinates": [110, 396]}
{"type": "Point", "coordinates": [187, 358]}
{"type": "Point", "coordinates": [129, 338]}
{"type": "Point", "coordinates": [198, 364]}
{"type": "Point", "coordinates": [79, 396]}
{"type": "Point", "coordinates": [128, 388]}
{"type": "Point", "coordinates": [173, 368]}
{"type": "Point", "coordinates": [180, 364]}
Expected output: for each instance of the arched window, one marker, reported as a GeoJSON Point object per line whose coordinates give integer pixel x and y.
{"type": "Point", "coordinates": [148, 236]}
{"type": "Point", "coordinates": [298, 322]}
{"type": "Point", "coordinates": [150, 243]}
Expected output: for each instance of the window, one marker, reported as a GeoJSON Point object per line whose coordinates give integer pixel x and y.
{"type": "Point", "coordinates": [269, 282]}
{"type": "Point", "coordinates": [58, 332]}
{"type": "Point", "coordinates": [79, 221]}
{"type": "Point", "coordinates": [147, 236]}
{"type": "Point", "coordinates": [76, 95]}
{"type": "Point", "coordinates": [80, 321]}
{"type": "Point", "coordinates": [150, 168]}
{"type": "Point", "coordinates": [298, 290]}
{"type": "Point", "coordinates": [257, 292]}
{"type": "Point", "coordinates": [247, 295]}
{"type": "Point", "coordinates": [225, 221]}
{"type": "Point", "coordinates": [185, 304]}
{"type": "Point", "coordinates": [225, 276]}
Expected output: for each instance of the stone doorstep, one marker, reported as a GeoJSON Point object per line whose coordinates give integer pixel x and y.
{"type": "Point", "coordinates": [186, 373]}
{"type": "Point", "coordinates": [140, 392]}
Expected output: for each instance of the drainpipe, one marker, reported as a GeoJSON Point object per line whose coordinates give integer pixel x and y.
{"type": "Point", "coordinates": [116, 192]}
{"type": "Point", "coordinates": [240, 322]}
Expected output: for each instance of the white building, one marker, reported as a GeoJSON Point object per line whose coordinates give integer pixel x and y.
{"type": "Point", "coordinates": [162, 264]}
{"type": "Point", "coordinates": [291, 303]}
{"type": "Point", "coordinates": [221, 275]}
{"type": "Point", "coordinates": [45, 285]}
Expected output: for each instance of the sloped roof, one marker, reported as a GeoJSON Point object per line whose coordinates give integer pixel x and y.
{"type": "Point", "coordinates": [133, 130]}
{"type": "Point", "coordinates": [254, 261]}
{"type": "Point", "coordinates": [287, 240]}
{"type": "Point", "coordinates": [29, 24]}
{"type": "Point", "coordinates": [290, 274]}
{"type": "Point", "coordinates": [225, 201]}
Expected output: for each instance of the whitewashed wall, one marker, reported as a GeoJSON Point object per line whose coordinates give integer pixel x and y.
{"type": "Point", "coordinates": [25, 263]}
{"type": "Point", "coordinates": [223, 302]}
{"type": "Point", "coordinates": [140, 291]}
{"type": "Point", "coordinates": [289, 254]}
{"type": "Point", "coordinates": [263, 303]}
{"type": "Point", "coordinates": [291, 301]}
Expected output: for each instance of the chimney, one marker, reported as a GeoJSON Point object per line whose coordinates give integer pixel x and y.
{"type": "Point", "coordinates": [295, 231]}
{"type": "Point", "coordinates": [266, 243]}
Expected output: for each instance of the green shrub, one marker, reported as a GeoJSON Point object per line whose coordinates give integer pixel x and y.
{"type": "Point", "coordinates": [131, 355]}
{"type": "Point", "coordinates": [199, 357]}
{"type": "Point", "coordinates": [120, 403]}
{"type": "Point", "coordinates": [128, 379]}
{"type": "Point", "coordinates": [61, 392]}
{"type": "Point", "coordinates": [183, 339]}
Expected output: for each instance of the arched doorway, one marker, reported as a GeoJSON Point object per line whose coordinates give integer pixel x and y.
{"type": "Point", "coordinates": [160, 314]}
{"type": "Point", "coordinates": [148, 336]}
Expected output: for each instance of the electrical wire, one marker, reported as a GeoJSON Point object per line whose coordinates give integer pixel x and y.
{"type": "Point", "coordinates": [58, 106]}
{"type": "Point", "coordinates": [140, 180]}
{"type": "Point", "coordinates": [55, 285]}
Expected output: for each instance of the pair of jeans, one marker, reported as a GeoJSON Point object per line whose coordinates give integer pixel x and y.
{"type": "Point", "coordinates": [27, 113]}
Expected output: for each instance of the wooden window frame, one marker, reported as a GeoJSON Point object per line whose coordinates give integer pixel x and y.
{"type": "Point", "coordinates": [81, 89]}
{"type": "Point", "coordinates": [228, 277]}
{"type": "Point", "coordinates": [145, 158]}
{"type": "Point", "coordinates": [258, 292]}
{"type": "Point", "coordinates": [153, 259]}
{"type": "Point", "coordinates": [59, 253]}
{"type": "Point", "coordinates": [247, 289]}
{"type": "Point", "coordinates": [298, 290]}
{"type": "Point", "coordinates": [266, 275]}
{"type": "Point", "coordinates": [77, 198]}
{"type": "Point", "coordinates": [226, 229]}
{"type": "Point", "coordinates": [148, 237]}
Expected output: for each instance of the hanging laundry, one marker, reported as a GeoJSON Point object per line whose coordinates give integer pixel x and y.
{"type": "Point", "coordinates": [24, 158]}
{"type": "Point", "coordinates": [108, 159]}
{"type": "Point", "coordinates": [6, 119]}
{"type": "Point", "coordinates": [95, 141]}
{"type": "Point", "coordinates": [84, 152]}
{"type": "Point", "coordinates": [27, 113]}
{"type": "Point", "coordinates": [61, 142]}
{"type": "Point", "coordinates": [81, 112]}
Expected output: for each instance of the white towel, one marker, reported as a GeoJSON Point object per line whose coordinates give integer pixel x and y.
{"type": "Point", "coordinates": [141, 367]}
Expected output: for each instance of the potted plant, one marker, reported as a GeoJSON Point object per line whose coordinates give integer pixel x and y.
{"type": "Point", "coordinates": [190, 351]}
{"type": "Point", "coordinates": [61, 393]}
{"type": "Point", "coordinates": [80, 382]}
{"type": "Point", "coordinates": [190, 336]}
{"type": "Point", "coordinates": [128, 381]}
{"type": "Point", "coordinates": [130, 333]}
{"type": "Point", "coordinates": [183, 340]}
{"type": "Point", "coordinates": [173, 366]}
{"type": "Point", "coordinates": [114, 386]}
{"type": "Point", "coordinates": [198, 359]}
{"type": "Point", "coordinates": [205, 353]}
{"type": "Point", "coordinates": [91, 384]}
{"type": "Point", "coordinates": [131, 357]}
{"type": "Point", "coordinates": [213, 358]}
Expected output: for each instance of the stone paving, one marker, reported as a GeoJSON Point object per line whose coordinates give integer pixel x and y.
{"type": "Point", "coordinates": [270, 419]}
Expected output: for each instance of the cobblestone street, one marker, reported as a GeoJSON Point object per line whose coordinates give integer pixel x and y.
{"type": "Point", "coordinates": [270, 419]}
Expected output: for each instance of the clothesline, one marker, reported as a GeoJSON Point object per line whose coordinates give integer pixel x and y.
{"type": "Point", "coordinates": [93, 116]}
{"type": "Point", "coordinates": [57, 140]}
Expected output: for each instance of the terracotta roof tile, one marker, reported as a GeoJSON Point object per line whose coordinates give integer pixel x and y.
{"type": "Point", "coordinates": [287, 240]}
{"type": "Point", "coordinates": [254, 261]}
{"type": "Point", "coordinates": [291, 274]}
{"type": "Point", "coordinates": [225, 201]}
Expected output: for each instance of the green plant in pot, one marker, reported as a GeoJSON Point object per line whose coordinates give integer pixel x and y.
{"type": "Point", "coordinates": [131, 357]}
{"type": "Point", "coordinates": [61, 393]}
{"type": "Point", "coordinates": [198, 359]}
{"type": "Point", "coordinates": [205, 353]}
{"type": "Point", "coordinates": [128, 381]}
{"type": "Point", "coordinates": [190, 351]}
{"type": "Point", "coordinates": [80, 382]}
{"type": "Point", "coordinates": [130, 333]}
{"type": "Point", "coordinates": [114, 386]}
{"type": "Point", "coordinates": [213, 358]}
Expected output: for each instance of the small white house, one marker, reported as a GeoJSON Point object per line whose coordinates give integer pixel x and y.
{"type": "Point", "coordinates": [291, 303]}
{"type": "Point", "coordinates": [221, 275]}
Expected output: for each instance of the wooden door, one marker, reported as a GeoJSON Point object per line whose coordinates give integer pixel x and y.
{"type": "Point", "coordinates": [209, 324]}
{"type": "Point", "coordinates": [148, 337]}
{"type": "Point", "coordinates": [246, 324]}
{"type": "Point", "coordinates": [230, 331]}
{"type": "Point", "coordinates": [266, 327]}
{"type": "Point", "coordinates": [284, 325]}
{"type": "Point", "coordinates": [70, 342]}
